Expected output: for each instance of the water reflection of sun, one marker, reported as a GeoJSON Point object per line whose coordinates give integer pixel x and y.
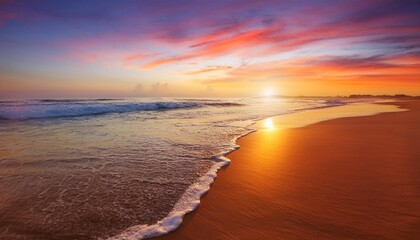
{"type": "Point", "coordinates": [268, 123]}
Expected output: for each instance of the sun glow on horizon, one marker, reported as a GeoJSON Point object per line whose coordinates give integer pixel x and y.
{"type": "Point", "coordinates": [217, 50]}
{"type": "Point", "coordinates": [268, 92]}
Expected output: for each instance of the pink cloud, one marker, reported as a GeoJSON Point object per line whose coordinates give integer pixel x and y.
{"type": "Point", "coordinates": [209, 69]}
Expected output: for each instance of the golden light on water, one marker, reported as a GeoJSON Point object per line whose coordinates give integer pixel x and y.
{"type": "Point", "coordinates": [268, 123]}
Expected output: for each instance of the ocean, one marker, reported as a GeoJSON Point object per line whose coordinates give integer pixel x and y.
{"type": "Point", "coordinates": [106, 168]}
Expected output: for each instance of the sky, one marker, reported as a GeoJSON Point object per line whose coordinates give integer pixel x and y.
{"type": "Point", "coordinates": [176, 48]}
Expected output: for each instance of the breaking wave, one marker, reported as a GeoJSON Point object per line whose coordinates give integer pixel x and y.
{"type": "Point", "coordinates": [71, 108]}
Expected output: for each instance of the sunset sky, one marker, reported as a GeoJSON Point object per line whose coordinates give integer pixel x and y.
{"type": "Point", "coordinates": [62, 49]}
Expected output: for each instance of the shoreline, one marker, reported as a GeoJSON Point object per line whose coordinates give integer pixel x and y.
{"type": "Point", "coordinates": [180, 233]}
{"type": "Point", "coordinates": [196, 191]}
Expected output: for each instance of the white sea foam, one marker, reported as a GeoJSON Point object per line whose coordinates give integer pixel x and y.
{"type": "Point", "coordinates": [188, 202]}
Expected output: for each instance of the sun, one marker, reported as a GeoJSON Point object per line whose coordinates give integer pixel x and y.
{"type": "Point", "coordinates": [268, 92]}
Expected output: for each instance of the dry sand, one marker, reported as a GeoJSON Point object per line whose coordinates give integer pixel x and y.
{"type": "Point", "coordinates": [347, 178]}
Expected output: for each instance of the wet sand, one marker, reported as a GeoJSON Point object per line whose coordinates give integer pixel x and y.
{"type": "Point", "coordinates": [346, 178]}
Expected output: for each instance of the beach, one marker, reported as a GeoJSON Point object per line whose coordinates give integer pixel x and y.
{"type": "Point", "coordinates": [345, 178]}
{"type": "Point", "coordinates": [97, 168]}
{"type": "Point", "coordinates": [208, 120]}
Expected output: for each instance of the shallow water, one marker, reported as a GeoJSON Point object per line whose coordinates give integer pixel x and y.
{"type": "Point", "coordinates": [84, 169]}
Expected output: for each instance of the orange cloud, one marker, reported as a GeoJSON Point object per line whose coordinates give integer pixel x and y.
{"type": "Point", "coordinates": [164, 61]}
{"type": "Point", "coordinates": [130, 60]}
{"type": "Point", "coordinates": [209, 69]}
{"type": "Point", "coordinates": [355, 69]}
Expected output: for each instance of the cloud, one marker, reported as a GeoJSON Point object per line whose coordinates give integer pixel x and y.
{"type": "Point", "coordinates": [133, 59]}
{"type": "Point", "coordinates": [209, 69]}
{"type": "Point", "coordinates": [362, 21]}
{"type": "Point", "coordinates": [159, 87]}
{"type": "Point", "coordinates": [402, 67]}
{"type": "Point", "coordinates": [163, 61]}
{"type": "Point", "coordinates": [138, 88]}
{"type": "Point", "coordinates": [155, 89]}
{"type": "Point", "coordinates": [245, 29]}
{"type": "Point", "coordinates": [281, 40]}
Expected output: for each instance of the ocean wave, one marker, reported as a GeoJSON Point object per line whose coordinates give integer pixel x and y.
{"type": "Point", "coordinates": [77, 100]}
{"type": "Point", "coordinates": [214, 102]}
{"type": "Point", "coordinates": [224, 104]}
{"type": "Point", "coordinates": [31, 111]}
{"type": "Point", "coordinates": [335, 101]}
{"type": "Point", "coordinates": [49, 108]}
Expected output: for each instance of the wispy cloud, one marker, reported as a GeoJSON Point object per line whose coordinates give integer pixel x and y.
{"type": "Point", "coordinates": [209, 69]}
{"type": "Point", "coordinates": [397, 67]}
{"type": "Point", "coordinates": [280, 40]}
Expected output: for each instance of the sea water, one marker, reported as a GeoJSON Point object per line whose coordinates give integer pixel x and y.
{"type": "Point", "coordinates": [118, 168]}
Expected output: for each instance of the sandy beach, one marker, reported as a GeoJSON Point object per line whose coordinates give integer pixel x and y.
{"type": "Point", "coordinates": [209, 120]}
{"type": "Point", "coordinates": [346, 178]}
